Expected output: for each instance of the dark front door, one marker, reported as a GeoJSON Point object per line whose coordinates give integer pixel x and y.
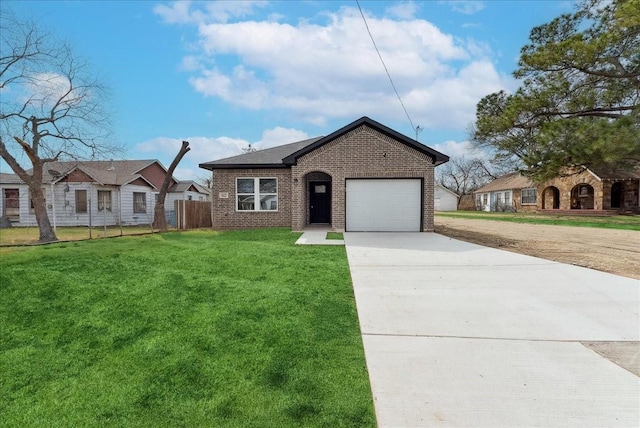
{"type": "Point", "coordinates": [320, 202]}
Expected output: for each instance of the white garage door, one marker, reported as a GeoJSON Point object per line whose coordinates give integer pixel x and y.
{"type": "Point", "coordinates": [389, 205]}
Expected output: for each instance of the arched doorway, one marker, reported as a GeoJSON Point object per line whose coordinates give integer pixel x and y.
{"type": "Point", "coordinates": [617, 195]}
{"type": "Point", "coordinates": [582, 197]}
{"type": "Point", "coordinates": [318, 185]}
{"type": "Point", "coordinates": [551, 198]}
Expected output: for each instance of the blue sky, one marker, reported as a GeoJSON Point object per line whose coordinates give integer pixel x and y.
{"type": "Point", "coordinates": [226, 74]}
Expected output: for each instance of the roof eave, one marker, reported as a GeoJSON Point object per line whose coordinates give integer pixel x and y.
{"type": "Point", "coordinates": [211, 167]}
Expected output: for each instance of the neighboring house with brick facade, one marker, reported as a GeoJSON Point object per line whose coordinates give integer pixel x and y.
{"type": "Point", "coordinates": [81, 193]}
{"type": "Point", "coordinates": [591, 190]}
{"type": "Point", "coordinates": [363, 177]}
{"type": "Point", "coordinates": [598, 189]}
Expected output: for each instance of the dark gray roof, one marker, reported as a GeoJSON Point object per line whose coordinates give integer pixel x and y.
{"type": "Point", "coordinates": [260, 158]}
{"type": "Point", "coordinates": [287, 155]}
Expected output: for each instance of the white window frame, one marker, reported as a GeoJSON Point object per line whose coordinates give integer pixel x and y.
{"type": "Point", "coordinates": [535, 196]}
{"type": "Point", "coordinates": [256, 195]}
{"type": "Point", "coordinates": [142, 209]}
{"type": "Point", "coordinates": [108, 202]}
{"type": "Point", "coordinates": [78, 201]}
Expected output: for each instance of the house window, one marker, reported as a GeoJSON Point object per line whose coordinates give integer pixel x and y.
{"type": "Point", "coordinates": [139, 202]}
{"type": "Point", "coordinates": [528, 197]}
{"type": "Point", "coordinates": [507, 198]}
{"type": "Point", "coordinates": [11, 204]}
{"type": "Point", "coordinates": [104, 200]}
{"type": "Point", "coordinates": [485, 199]}
{"type": "Point", "coordinates": [257, 194]}
{"type": "Point", "coordinates": [81, 201]}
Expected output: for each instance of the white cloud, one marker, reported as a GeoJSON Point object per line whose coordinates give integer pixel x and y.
{"type": "Point", "coordinates": [330, 69]}
{"type": "Point", "coordinates": [467, 7]}
{"type": "Point", "coordinates": [459, 149]}
{"type": "Point", "coordinates": [205, 149]}
{"type": "Point", "coordinates": [279, 136]}
{"type": "Point", "coordinates": [182, 12]}
{"type": "Point", "coordinates": [403, 10]}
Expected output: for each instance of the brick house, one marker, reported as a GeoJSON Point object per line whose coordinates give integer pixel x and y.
{"type": "Point", "coordinates": [591, 190]}
{"type": "Point", "coordinates": [362, 177]}
{"type": "Point", "coordinates": [598, 189]}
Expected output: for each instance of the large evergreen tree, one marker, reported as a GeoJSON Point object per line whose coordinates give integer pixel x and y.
{"type": "Point", "coordinates": [579, 102]}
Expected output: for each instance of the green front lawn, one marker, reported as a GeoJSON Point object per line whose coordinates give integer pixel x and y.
{"type": "Point", "coordinates": [229, 329]}
{"type": "Point", "coordinates": [611, 222]}
{"type": "Point", "coordinates": [29, 235]}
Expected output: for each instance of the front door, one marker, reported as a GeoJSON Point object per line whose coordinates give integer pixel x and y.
{"type": "Point", "coordinates": [320, 202]}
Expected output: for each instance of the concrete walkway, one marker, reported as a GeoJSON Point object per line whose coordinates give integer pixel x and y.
{"type": "Point", "coordinates": [317, 235]}
{"type": "Point", "coordinates": [456, 334]}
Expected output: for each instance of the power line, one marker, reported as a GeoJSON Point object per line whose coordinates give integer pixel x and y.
{"type": "Point", "coordinates": [415, 129]}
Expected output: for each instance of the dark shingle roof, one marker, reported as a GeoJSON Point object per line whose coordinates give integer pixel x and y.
{"type": "Point", "coordinates": [287, 155]}
{"type": "Point", "coordinates": [260, 158]}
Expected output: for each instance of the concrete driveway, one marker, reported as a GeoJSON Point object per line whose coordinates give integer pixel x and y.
{"type": "Point", "coordinates": [457, 334]}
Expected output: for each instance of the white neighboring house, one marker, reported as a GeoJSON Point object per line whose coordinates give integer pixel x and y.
{"type": "Point", "coordinates": [82, 193]}
{"type": "Point", "coordinates": [444, 199]}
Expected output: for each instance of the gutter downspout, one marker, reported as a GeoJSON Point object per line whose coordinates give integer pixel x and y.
{"type": "Point", "coordinates": [53, 206]}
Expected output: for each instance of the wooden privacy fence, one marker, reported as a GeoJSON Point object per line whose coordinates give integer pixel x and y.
{"type": "Point", "coordinates": [193, 214]}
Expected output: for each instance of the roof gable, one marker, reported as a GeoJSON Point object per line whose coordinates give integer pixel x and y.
{"type": "Point", "coordinates": [437, 157]}
{"type": "Point", "coordinates": [287, 155]}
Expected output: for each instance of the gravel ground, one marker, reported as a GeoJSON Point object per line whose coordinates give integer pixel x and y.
{"type": "Point", "coordinates": [609, 250]}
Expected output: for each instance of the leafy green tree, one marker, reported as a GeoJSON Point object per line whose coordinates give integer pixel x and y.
{"type": "Point", "coordinates": [579, 102]}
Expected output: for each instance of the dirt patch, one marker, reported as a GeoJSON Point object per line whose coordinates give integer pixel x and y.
{"type": "Point", "coordinates": [609, 250]}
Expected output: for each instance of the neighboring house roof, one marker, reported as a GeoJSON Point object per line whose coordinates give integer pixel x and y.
{"type": "Point", "coordinates": [108, 173]}
{"type": "Point", "coordinates": [10, 178]}
{"type": "Point", "coordinates": [510, 181]}
{"type": "Point", "coordinates": [614, 172]}
{"type": "Point", "coordinates": [439, 186]}
{"type": "Point", "coordinates": [188, 185]}
{"type": "Point", "coordinates": [287, 155]}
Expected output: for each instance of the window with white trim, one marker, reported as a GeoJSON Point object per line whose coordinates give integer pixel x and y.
{"type": "Point", "coordinates": [507, 198]}
{"type": "Point", "coordinates": [528, 197]}
{"type": "Point", "coordinates": [81, 201]}
{"type": "Point", "coordinates": [139, 202]}
{"type": "Point", "coordinates": [256, 194]}
{"type": "Point", "coordinates": [104, 200]}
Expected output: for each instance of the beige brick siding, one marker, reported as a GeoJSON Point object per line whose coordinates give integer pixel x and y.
{"type": "Point", "coordinates": [225, 215]}
{"type": "Point", "coordinates": [361, 153]}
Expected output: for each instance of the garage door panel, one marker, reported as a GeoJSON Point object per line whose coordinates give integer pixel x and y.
{"type": "Point", "coordinates": [393, 205]}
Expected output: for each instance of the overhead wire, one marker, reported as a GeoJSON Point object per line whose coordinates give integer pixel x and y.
{"type": "Point", "coordinates": [415, 129]}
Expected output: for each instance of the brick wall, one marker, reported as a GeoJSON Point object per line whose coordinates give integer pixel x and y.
{"type": "Point", "coordinates": [225, 215]}
{"type": "Point", "coordinates": [361, 153]}
{"type": "Point", "coordinates": [565, 185]}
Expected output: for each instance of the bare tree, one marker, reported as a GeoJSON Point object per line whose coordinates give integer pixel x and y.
{"type": "Point", "coordinates": [51, 108]}
{"type": "Point", "coordinates": [463, 176]}
{"type": "Point", "coordinates": [159, 217]}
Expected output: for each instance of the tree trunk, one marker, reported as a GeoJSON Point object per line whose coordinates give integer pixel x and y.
{"type": "Point", "coordinates": [47, 233]}
{"type": "Point", "coordinates": [159, 218]}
